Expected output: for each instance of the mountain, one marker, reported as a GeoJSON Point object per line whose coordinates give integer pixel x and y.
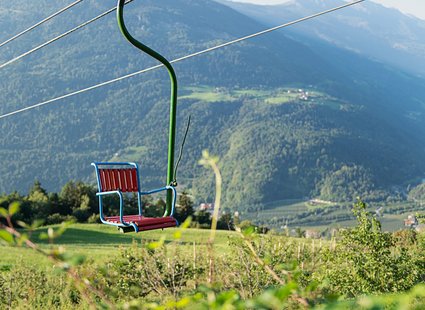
{"type": "Point", "coordinates": [368, 29]}
{"type": "Point", "coordinates": [288, 118]}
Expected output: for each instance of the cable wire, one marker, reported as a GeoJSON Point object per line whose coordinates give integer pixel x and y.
{"type": "Point", "coordinates": [177, 60]}
{"type": "Point", "coordinates": [40, 22]}
{"type": "Point", "coordinates": [174, 182]}
{"type": "Point", "coordinates": [59, 37]}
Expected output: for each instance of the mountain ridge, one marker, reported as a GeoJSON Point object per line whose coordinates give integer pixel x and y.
{"type": "Point", "coordinates": [390, 36]}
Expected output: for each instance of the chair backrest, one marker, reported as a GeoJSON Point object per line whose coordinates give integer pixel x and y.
{"type": "Point", "coordinates": [117, 176]}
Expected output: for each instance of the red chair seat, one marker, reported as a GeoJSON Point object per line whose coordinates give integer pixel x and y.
{"type": "Point", "coordinates": [145, 223]}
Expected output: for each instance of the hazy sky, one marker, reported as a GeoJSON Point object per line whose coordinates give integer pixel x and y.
{"type": "Point", "coordinates": [414, 7]}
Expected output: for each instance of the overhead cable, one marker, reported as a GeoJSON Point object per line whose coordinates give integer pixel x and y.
{"type": "Point", "coordinates": [40, 22]}
{"type": "Point", "coordinates": [59, 36]}
{"type": "Point", "coordinates": [178, 59]}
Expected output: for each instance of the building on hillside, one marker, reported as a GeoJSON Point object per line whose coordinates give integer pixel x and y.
{"type": "Point", "coordinates": [312, 234]}
{"type": "Point", "coordinates": [411, 221]}
{"type": "Point", "coordinates": [207, 207]}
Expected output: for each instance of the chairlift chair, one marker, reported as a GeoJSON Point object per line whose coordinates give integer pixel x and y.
{"type": "Point", "coordinates": [123, 177]}
{"type": "Point", "coordinates": [116, 178]}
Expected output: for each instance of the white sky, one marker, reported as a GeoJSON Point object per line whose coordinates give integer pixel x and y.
{"type": "Point", "coordinates": [413, 7]}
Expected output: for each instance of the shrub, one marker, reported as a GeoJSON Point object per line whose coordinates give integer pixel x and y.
{"type": "Point", "coordinates": [24, 287]}
{"type": "Point", "coordinates": [368, 261]}
{"type": "Point", "coordinates": [94, 218]}
{"type": "Point", "coordinates": [140, 272]}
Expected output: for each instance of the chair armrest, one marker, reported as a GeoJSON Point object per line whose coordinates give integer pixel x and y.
{"type": "Point", "coordinates": [157, 190]}
{"type": "Point", "coordinates": [109, 193]}
{"type": "Point", "coordinates": [119, 193]}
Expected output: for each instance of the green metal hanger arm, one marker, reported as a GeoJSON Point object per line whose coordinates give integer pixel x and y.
{"type": "Point", "coordinates": [173, 103]}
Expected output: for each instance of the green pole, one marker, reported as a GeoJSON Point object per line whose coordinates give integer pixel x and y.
{"type": "Point", "coordinates": [173, 103]}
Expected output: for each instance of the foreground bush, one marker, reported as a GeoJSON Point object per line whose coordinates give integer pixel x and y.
{"type": "Point", "coordinates": [258, 272]}
{"type": "Point", "coordinates": [369, 261]}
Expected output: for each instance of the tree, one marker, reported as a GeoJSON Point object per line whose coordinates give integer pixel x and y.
{"type": "Point", "coordinates": [82, 213]}
{"type": "Point", "coordinates": [38, 193]}
{"type": "Point", "coordinates": [417, 193]}
{"type": "Point", "coordinates": [75, 195]}
{"type": "Point", "coordinates": [39, 202]}
{"type": "Point", "coordinates": [156, 209]}
{"type": "Point", "coordinates": [225, 222]}
{"type": "Point", "coordinates": [203, 218]}
{"type": "Point", "coordinates": [184, 207]}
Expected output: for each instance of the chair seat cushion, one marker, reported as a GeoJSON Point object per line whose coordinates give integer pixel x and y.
{"type": "Point", "coordinates": [145, 223]}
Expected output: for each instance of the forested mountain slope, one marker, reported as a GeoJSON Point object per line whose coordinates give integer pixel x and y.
{"type": "Point", "coordinates": [288, 119]}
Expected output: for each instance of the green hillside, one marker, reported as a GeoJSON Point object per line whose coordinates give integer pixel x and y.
{"type": "Point", "coordinates": [288, 120]}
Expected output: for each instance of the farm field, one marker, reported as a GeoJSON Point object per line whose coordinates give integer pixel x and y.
{"type": "Point", "coordinates": [321, 215]}
{"type": "Point", "coordinates": [277, 96]}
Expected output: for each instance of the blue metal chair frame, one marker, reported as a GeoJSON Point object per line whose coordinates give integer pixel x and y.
{"type": "Point", "coordinates": [100, 194]}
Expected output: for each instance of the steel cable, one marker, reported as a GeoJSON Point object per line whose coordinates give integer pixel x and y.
{"type": "Point", "coordinates": [59, 37]}
{"type": "Point", "coordinates": [177, 60]}
{"type": "Point", "coordinates": [40, 22]}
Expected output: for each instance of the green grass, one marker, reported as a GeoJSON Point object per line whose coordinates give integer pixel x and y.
{"type": "Point", "coordinates": [252, 93]}
{"type": "Point", "coordinates": [207, 94]}
{"type": "Point", "coordinates": [100, 243]}
{"type": "Point", "coordinates": [133, 154]}
{"type": "Point", "coordinates": [279, 99]}
{"type": "Point", "coordinates": [282, 97]}
{"type": "Point", "coordinates": [88, 235]}
{"type": "Point", "coordinates": [12, 256]}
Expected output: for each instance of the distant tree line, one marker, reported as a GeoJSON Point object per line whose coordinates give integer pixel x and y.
{"type": "Point", "coordinates": [77, 202]}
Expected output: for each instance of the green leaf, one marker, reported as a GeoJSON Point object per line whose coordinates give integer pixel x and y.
{"type": "Point", "coordinates": [285, 291]}
{"type": "Point", "coordinates": [249, 231]}
{"type": "Point", "coordinates": [3, 212]}
{"type": "Point", "coordinates": [43, 236]}
{"type": "Point", "coordinates": [182, 303]}
{"type": "Point", "coordinates": [37, 223]}
{"type": "Point", "coordinates": [21, 240]}
{"type": "Point", "coordinates": [6, 236]}
{"type": "Point", "coordinates": [186, 223]}
{"type": "Point", "coordinates": [177, 235]}
{"type": "Point", "coordinates": [205, 154]}
{"type": "Point", "coordinates": [22, 224]}
{"type": "Point", "coordinates": [156, 244]}
{"type": "Point", "coordinates": [14, 208]}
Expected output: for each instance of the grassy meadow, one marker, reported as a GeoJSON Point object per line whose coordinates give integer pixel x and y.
{"type": "Point", "coordinates": [99, 243]}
